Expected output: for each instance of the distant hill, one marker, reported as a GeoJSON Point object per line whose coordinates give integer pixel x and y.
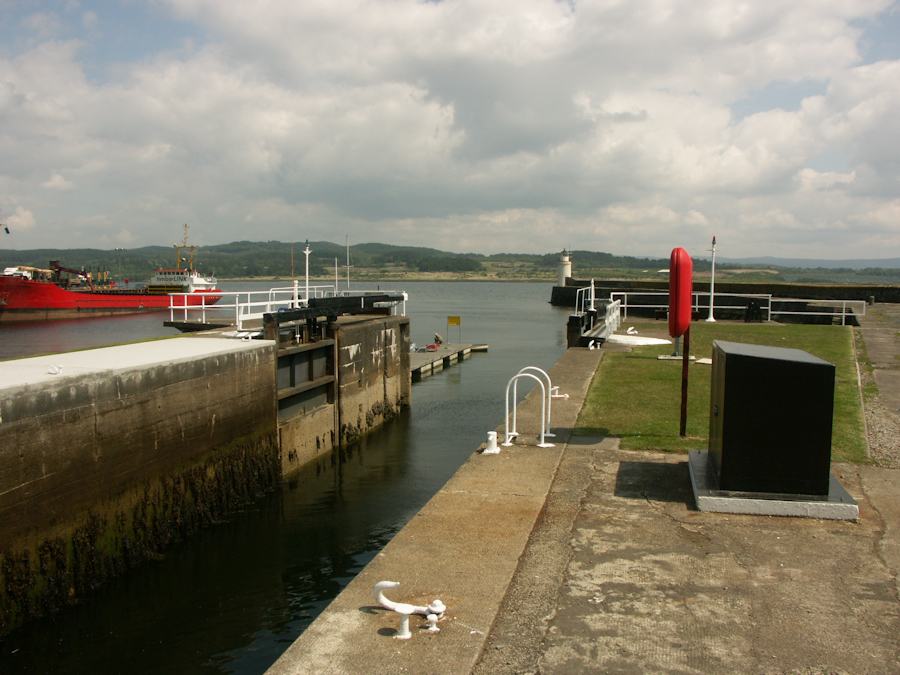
{"type": "Point", "coordinates": [267, 259]}
{"type": "Point", "coordinates": [809, 263]}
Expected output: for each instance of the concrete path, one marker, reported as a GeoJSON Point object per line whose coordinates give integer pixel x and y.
{"type": "Point", "coordinates": [585, 558]}
{"type": "Point", "coordinates": [881, 333]}
{"type": "Point", "coordinates": [463, 547]}
{"type": "Point", "coordinates": [651, 585]}
{"type": "Point", "coordinates": [636, 580]}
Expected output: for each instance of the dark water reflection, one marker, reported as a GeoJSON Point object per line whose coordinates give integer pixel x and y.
{"type": "Point", "coordinates": [232, 599]}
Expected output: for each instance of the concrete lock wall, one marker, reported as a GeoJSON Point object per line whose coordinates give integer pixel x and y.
{"type": "Point", "coordinates": [371, 383]}
{"type": "Point", "coordinates": [306, 437]}
{"type": "Point", "coordinates": [69, 443]}
{"type": "Point", "coordinates": [104, 469]}
{"type": "Point", "coordinates": [374, 380]}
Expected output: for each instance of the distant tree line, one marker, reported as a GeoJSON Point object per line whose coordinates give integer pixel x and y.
{"type": "Point", "coordinates": [249, 259]}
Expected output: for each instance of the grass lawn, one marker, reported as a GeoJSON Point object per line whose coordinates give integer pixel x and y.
{"type": "Point", "coordinates": [637, 398]}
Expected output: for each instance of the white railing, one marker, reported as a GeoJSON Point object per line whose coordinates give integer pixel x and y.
{"type": "Point", "coordinates": [585, 298]}
{"type": "Point", "coordinates": [243, 306]}
{"type": "Point", "coordinates": [696, 305]}
{"type": "Point", "coordinates": [613, 317]}
{"type": "Point", "coordinates": [766, 304]}
{"type": "Point", "coordinates": [843, 313]}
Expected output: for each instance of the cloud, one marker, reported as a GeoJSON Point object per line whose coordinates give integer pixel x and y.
{"type": "Point", "coordinates": [466, 125]}
{"type": "Point", "coordinates": [59, 184]}
{"type": "Point", "coordinates": [21, 221]}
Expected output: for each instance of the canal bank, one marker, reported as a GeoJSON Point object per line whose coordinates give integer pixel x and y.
{"type": "Point", "coordinates": [462, 547]}
{"type": "Point", "coordinates": [108, 457]}
{"type": "Point", "coordinates": [233, 597]}
{"type": "Point", "coordinates": [587, 558]}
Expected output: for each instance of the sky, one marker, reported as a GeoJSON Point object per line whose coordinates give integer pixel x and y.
{"type": "Point", "coordinates": [528, 126]}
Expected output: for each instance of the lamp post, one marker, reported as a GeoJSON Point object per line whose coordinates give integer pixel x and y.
{"type": "Point", "coordinates": [119, 253]}
{"type": "Point", "coordinates": [712, 283]}
{"type": "Point", "coordinates": [307, 252]}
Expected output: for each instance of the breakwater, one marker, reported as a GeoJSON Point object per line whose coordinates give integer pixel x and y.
{"type": "Point", "coordinates": [564, 296]}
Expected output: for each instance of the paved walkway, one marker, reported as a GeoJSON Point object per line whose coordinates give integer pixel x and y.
{"type": "Point", "coordinates": [588, 559]}
{"type": "Point", "coordinates": [633, 579]}
{"type": "Point", "coordinates": [880, 332]}
{"type": "Point", "coordinates": [463, 548]}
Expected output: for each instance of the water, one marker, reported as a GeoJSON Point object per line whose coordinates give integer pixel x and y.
{"type": "Point", "coordinates": [233, 598]}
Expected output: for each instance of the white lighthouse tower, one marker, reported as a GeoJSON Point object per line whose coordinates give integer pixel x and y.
{"type": "Point", "coordinates": [565, 268]}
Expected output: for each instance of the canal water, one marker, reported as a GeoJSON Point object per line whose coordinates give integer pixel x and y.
{"type": "Point", "coordinates": [233, 598]}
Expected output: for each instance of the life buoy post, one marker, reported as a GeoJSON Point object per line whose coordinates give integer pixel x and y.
{"type": "Point", "coordinates": [681, 286]}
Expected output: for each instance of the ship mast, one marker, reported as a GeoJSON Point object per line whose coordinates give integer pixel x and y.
{"type": "Point", "coordinates": [178, 248]}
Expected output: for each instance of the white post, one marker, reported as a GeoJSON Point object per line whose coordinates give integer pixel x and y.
{"type": "Point", "coordinates": [348, 262]}
{"type": "Point", "coordinates": [307, 252]}
{"type": "Point", "coordinates": [712, 283]}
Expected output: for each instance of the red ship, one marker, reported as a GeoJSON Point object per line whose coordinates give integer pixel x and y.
{"type": "Point", "coordinates": [30, 293]}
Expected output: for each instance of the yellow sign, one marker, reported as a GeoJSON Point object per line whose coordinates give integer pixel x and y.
{"type": "Point", "coordinates": [453, 321]}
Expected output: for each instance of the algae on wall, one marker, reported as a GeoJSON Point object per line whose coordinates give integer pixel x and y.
{"type": "Point", "coordinates": [37, 578]}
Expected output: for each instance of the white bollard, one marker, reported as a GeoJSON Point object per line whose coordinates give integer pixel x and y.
{"type": "Point", "coordinates": [404, 632]}
{"type": "Point", "coordinates": [491, 448]}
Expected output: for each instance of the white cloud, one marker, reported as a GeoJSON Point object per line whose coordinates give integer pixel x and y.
{"type": "Point", "coordinates": [59, 184]}
{"type": "Point", "coordinates": [467, 125]}
{"type": "Point", "coordinates": [21, 221]}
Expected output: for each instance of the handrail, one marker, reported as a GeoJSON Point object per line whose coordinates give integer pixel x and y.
{"type": "Point", "coordinates": [509, 434]}
{"type": "Point", "coordinates": [582, 295]}
{"type": "Point", "coordinates": [695, 300]}
{"type": "Point", "coordinates": [613, 317]}
{"type": "Point", "coordinates": [768, 298]}
{"type": "Point", "coordinates": [547, 393]}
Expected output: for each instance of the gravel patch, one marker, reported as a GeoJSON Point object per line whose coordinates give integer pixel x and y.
{"type": "Point", "coordinates": [883, 427]}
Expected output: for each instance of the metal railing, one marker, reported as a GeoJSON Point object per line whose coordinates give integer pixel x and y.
{"type": "Point", "coordinates": [244, 306]}
{"type": "Point", "coordinates": [767, 301]}
{"type": "Point", "coordinates": [696, 305]}
{"type": "Point", "coordinates": [843, 313]}
{"type": "Point", "coordinates": [585, 298]}
{"type": "Point", "coordinates": [613, 317]}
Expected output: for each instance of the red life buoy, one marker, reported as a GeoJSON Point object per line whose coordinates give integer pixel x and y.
{"type": "Point", "coordinates": [681, 287]}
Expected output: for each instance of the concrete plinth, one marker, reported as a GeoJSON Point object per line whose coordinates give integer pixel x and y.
{"type": "Point", "coordinates": [839, 505]}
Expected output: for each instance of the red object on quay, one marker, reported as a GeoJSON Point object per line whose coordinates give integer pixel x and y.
{"type": "Point", "coordinates": [681, 287]}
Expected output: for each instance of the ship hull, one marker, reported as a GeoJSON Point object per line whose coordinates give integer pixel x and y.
{"type": "Point", "coordinates": [26, 300]}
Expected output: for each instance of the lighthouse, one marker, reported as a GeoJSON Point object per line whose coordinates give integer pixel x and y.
{"type": "Point", "coordinates": [565, 268]}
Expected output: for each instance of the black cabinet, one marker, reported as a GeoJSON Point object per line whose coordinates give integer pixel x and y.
{"type": "Point", "coordinates": [770, 419]}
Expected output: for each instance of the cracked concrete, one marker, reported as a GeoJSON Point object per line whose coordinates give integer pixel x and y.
{"type": "Point", "coordinates": [655, 586]}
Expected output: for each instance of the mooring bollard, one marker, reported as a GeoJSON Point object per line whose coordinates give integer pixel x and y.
{"type": "Point", "coordinates": [435, 609]}
{"type": "Point", "coordinates": [492, 448]}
